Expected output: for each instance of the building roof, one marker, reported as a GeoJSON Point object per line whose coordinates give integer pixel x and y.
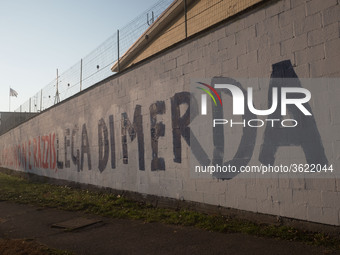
{"type": "Point", "coordinates": [161, 22]}
{"type": "Point", "coordinates": [173, 26]}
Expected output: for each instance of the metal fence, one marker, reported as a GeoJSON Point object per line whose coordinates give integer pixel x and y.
{"type": "Point", "coordinates": [96, 66]}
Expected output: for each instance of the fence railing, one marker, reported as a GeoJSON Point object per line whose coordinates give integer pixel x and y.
{"type": "Point", "coordinates": [96, 66]}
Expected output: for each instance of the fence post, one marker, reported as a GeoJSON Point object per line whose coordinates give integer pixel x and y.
{"type": "Point", "coordinates": [185, 19]}
{"type": "Point", "coordinates": [40, 99]}
{"type": "Point", "coordinates": [81, 73]}
{"type": "Point", "coordinates": [57, 98]}
{"type": "Point", "coordinates": [118, 49]}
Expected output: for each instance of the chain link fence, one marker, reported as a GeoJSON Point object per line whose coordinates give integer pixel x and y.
{"type": "Point", "coordinates": [96, 66]}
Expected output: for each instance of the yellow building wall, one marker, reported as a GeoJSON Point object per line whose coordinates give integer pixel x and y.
{"type": "Point", "coordinates": [206, 13]}
{"type": "Point", "coordinates": [174, 33]}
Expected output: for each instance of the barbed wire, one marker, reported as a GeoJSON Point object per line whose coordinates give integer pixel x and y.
{"type": "Point", "coordinates": [94, 67]}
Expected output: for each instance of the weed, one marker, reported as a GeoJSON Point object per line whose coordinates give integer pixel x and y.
{"type": "Point", "coordinates": [105, 204]}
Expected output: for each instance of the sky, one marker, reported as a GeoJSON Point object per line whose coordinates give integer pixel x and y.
{"type": "Point", "coordinates": [39, 36]}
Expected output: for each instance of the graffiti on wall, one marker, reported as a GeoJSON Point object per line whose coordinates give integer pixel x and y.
{"type": "Point", "coordinates": [57, 151]}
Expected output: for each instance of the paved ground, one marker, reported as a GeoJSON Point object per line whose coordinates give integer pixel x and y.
{"type": "Point", "coordinates": [115, 236]}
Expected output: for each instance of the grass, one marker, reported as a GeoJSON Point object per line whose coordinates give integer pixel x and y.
{"type": "Point", "coordinates": [24, 247]}
{"type": "Point", "coordinates": [109, 205]}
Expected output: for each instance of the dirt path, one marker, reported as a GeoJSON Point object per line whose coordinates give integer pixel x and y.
{"type": "Point", "coordinates": [116, 236]}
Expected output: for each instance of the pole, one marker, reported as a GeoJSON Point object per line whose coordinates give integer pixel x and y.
{"type": "Point", "coordinates": [9, 109]}
{"type": "Point", "coordinates": [40, 99]}
{"type": "Point", "coordinates": [56, 98]}
{"type": "Point", "coordinates": [81, 73]}
{"type": "Point", "coordinates": [118, 48]}
{"type": "Point", "coordinates": [185, 17]}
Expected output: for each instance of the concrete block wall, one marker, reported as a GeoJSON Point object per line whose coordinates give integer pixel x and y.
{"type": "Point", "coordinates": [9, 120]}
{"type": "Point", "coordinates": [121, 133]}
